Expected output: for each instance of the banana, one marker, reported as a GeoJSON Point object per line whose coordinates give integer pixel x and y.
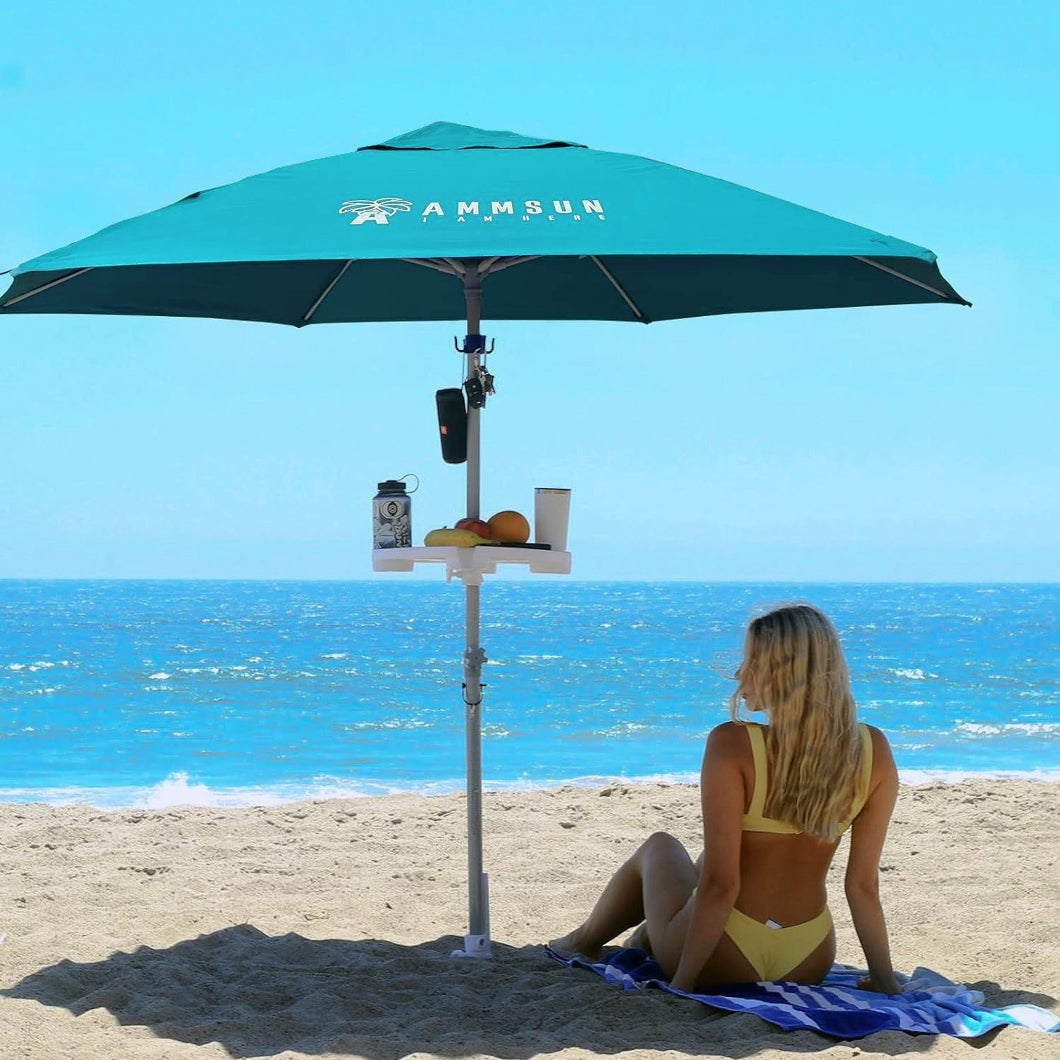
{"type": "Point", "coordinates": [451, 536]}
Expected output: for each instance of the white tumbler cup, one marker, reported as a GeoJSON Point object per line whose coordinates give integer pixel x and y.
{"type": "Point", "coordinates": [551, 517]}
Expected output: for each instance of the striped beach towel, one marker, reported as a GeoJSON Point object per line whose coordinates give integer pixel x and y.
{"type": "Point", "coordinates": [929, 1003]}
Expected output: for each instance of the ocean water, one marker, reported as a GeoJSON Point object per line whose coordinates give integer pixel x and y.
{"type": "Point", "coordinates": [129, 693]}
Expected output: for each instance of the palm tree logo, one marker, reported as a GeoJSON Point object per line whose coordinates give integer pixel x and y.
{"type": "Point", "coordinates": [378, 210]}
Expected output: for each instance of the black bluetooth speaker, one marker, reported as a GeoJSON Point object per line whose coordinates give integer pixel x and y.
{"type": "Point", "coordinates": [452, 424]}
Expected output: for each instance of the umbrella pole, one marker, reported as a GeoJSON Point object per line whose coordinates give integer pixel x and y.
{"type": "Point", "coordinates": [477, 941]}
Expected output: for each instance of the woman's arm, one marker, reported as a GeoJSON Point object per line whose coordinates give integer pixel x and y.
{"type": "Point", "coordinates": [863, 876]}
{"type": "Point", "coordinates": [722, 794]}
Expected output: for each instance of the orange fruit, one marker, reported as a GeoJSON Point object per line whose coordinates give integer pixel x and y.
{"type": "Point", "coordinates": [509, 526]}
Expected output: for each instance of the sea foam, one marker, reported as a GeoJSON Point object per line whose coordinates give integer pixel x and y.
{"type": "Point", "coordinates": [178, 790]}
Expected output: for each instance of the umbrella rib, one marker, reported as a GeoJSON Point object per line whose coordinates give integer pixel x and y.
{"type": "Point", "coordinates": [618, 287]}
{"type": "Point", "coordinates": [327, 290]}
{"type": "Point", "coordinates": [902, 276]}
{"type": "Point", "coordinates": [46, 286]}
{"type": "Point", "coordinates": [491, 265]}
{"type": "Point", "coordinates": [445, 265]}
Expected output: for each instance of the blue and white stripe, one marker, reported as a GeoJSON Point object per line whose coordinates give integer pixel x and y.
{"type": "Point", "coordinates": [928, 1004]}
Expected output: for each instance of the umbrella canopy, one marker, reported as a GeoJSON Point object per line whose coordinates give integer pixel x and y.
{"type": "Point", "coordinates": [597, 236]}
{"type": "Point", "coordinates": [411, 229]}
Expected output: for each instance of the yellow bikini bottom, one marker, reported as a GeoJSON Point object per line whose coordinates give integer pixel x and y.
{"type": "Point", "coordinates": [774, 952]}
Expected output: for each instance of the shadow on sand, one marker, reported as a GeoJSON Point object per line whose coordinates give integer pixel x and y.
{"type": "Point", "coordinates": [259, 995]}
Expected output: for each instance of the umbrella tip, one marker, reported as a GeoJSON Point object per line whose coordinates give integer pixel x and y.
{"type": "Point", "coordinates": [449, 136]}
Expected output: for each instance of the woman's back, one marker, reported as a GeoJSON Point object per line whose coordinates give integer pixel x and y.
{"type": "Point", "coordinates": [782, 875]}
{"type": "Point", "coordinates": [782, 871]}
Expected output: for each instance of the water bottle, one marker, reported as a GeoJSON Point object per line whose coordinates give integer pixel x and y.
{"type": "Point", "coordinates": [392, 515]}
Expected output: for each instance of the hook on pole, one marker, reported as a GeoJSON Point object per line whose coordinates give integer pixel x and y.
{"type": "Point", "coordinates": [473, 344]}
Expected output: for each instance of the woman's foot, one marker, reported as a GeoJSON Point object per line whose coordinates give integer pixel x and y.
{"type": "Point", "coordinates": [573, 945]}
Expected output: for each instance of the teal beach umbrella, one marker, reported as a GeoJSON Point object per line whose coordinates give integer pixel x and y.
{"type": "Point", "coordinates": [451, 222]}
{"type": "Point", "coordinates": [380, 234]}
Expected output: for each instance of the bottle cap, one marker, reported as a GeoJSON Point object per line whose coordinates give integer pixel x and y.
{"type": "Point", "coordinates": [392, 485]}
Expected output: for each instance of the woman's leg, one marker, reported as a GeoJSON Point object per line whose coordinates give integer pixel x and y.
{"type": "Point", "coordinates": [640, 939]}
{"type": "Point", "coordinates": [654, 885]}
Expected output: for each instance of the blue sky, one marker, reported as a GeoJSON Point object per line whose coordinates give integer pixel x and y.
{"type": "Point", "coordinates": [901, 443]}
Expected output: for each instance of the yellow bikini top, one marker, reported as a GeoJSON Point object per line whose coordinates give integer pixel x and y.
{"type": "Point", "coordinates": [755, 821]}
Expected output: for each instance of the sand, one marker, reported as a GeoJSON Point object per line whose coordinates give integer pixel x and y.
{"type": "Point", "coordinates": [324, 929]}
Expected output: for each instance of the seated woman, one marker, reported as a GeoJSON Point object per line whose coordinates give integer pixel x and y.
{"type": "Point", "coordinates": [776, 799]}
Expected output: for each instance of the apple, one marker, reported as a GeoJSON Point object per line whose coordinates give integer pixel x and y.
{"type": "Point", "coordinates": [476, 526]}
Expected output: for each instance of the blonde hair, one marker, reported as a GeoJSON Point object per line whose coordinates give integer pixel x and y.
{"type": "Point", "coordinates": [793, 666]}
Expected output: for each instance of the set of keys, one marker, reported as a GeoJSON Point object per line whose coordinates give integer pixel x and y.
{"type": "Point", "coordinates": [479, 386]}
{"type": "Point", "coordinates": [479, 383]}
